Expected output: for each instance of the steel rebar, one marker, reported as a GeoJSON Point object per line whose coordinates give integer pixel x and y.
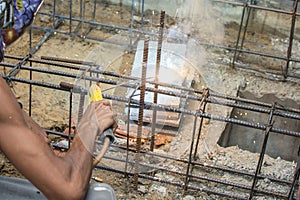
{"type": "Point", "coordinates": [157, 69]}
{"type": "Point", "coordinates": [191, 174]}
{"type": "Point", "coordinates": [141, 110]}
{"type": "Point", "coordinates": [113, 74]}
{"type": "Point", "coordinates": [263, 151]}
{"type": "Point", "coordinates": [181, 110]}
{"type": "Point", "coordinates": [247, 5]}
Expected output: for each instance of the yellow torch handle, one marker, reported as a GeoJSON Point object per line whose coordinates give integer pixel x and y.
{"type": "Point", "coordinates": [95, 93]}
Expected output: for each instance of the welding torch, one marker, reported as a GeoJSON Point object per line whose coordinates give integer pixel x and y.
{"type": "Point", "coordinates": [95, 95]}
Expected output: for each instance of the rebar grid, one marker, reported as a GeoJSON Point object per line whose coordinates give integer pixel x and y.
{"type": "Point", "coordinates": [247, 8]}
{"type": "Point", "coordinates": [191, 165]}
{"type": "Point", "coordinates": [191, 174]}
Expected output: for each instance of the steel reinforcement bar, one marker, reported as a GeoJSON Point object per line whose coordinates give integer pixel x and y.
{"type": "Point", "coordinates": [192, 176]}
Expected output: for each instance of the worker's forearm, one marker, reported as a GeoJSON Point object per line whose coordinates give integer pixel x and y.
{"type": "Point", "coordinates": [80, 162]}
{"type": "Point", "coordinates": [75, 170]}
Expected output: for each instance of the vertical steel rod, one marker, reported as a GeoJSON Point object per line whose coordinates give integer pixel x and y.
{"type": "Point", "coordinates": [127, 129]}
{"type": "Point", "coordinates": [263, 150]}
{"type": "Point", "coordinates": [239, 34]}
{"type": "Point", "coordinates": [141, 111]}
{"type": "Point", "coordinates": [70, 118]}
{"type": "Point", "coordinates": [131, 26]}
{"type": "Point", "coordinates": [70, 17]}
{"type": "Point", "coordinates": [295, 180]}
{"type": "Point", "coordinates": [289, 51]}
{"type": "Point", "coordinates": [204, 96]}
{"type": "Point", "coordinates": [54, 14]}
{"type": "Point", "coordinates": [158, 59]}
{"type": "Point", "coordinates": [94, 10]}
{"type": "Point", "coordinates": [249, 12]}
{"type": "Point", "coordinates": [30, 77]}
{"type": "Point", "coordinates": [143, 14]}
{"type": "Point", "coordinates": [189, 168]}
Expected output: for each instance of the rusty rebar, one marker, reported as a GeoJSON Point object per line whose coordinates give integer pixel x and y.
{"type": "Point", "coordinates": [141, 110]}
{"type": "Point", "coordinates": [64, 63]}
{"type": "Point", "coordinates": [205, 95]}
{"type": "Point", "coordinates": [128, 128]}
{"type": "Point", "coordinates": [116, 75]}
{"type": "Point", "coordinates": [189, 112]}
{"type": "Point", "coordinates": [294, 115]}
{"type": "Point", "coordinates": [204, 115]}
{"type": "Point", "coordinates": [246, 4]}
{"type": "Point", "coordinates": [131, 29]}
{"type": "Point", "coordinates": [266, 107]}
{"type": "Point", "coordinates": [157, 69]}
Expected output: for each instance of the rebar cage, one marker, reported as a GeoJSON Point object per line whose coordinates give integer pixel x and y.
{"type": "Point", "coordinates": [232, 33]}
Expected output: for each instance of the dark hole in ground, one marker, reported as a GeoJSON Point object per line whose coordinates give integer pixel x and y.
{"type": "Point", "coordinates": [278, 145]}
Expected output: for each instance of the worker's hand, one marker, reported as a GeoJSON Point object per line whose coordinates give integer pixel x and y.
{"type": "Point", "coordinates": [97, 118]}
{"type": "Point", "coordinates": [98, 115]}
{"type": "Point", "coordinates": [105, 115]}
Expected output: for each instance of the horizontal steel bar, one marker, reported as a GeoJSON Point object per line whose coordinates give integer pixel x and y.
{"type": "Point", "coordinates": [172, 109]}
{"type": "Point", "coordinates": [162, 91]}
{"type": "Point", "coordinates": [249, 5]}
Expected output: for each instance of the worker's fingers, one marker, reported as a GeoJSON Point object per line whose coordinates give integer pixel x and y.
{"type": "Point", "coordinates": [106, 120]}
{"type": "Point", "coordinates": [103, 102]}
{"type": "Point", "coordinates": [105, 115]}
{"type": "Point", "coordinates": [101, 115]}
{"type": "Point", "coordinates": [98, 117]}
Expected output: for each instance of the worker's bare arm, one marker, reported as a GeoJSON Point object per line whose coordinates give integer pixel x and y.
{"type": "Point", "coordinates": [31, 154]}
